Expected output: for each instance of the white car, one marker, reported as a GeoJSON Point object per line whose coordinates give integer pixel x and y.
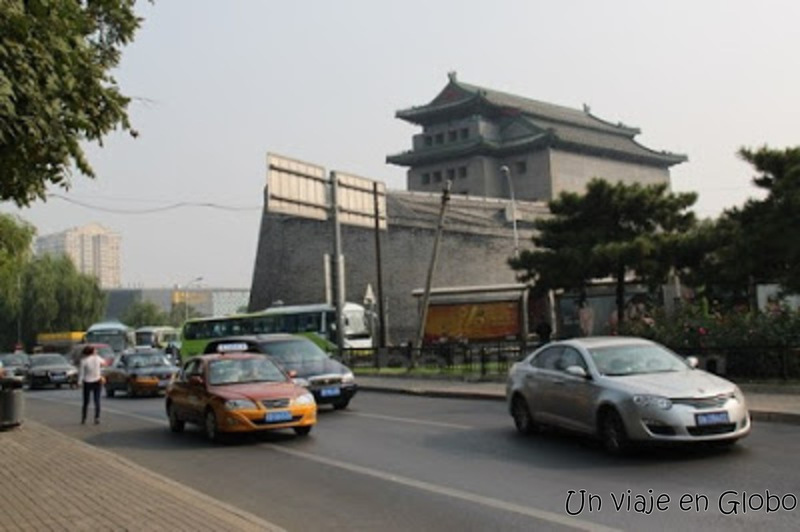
{"type": "Point", "coordinates": [624, 390]}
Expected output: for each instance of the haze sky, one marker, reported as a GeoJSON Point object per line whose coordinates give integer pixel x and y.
{"type": "Point", "coordinates": [217, 85]}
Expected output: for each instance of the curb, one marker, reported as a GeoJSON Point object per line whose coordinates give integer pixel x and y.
{"type": "Point", "coordinates": [787, 418]}
{"type": "Point", "coordinates": [451, 394]}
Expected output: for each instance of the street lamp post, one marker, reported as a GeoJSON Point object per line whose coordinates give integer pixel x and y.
{"type": "Point", "coordinates": [186, 296]}
{"type": "Point", "coordinates": [504, 169]}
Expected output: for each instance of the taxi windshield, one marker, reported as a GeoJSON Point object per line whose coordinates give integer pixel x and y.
{"type": "Point", "coordinates": [243, 370]}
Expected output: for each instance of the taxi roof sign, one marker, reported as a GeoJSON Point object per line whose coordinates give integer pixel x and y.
{"type": "Point", "coordinates": [232, 347]}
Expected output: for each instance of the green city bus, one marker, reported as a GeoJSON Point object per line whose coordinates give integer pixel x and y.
{"type": "Point", "coordinates": [317, 322]}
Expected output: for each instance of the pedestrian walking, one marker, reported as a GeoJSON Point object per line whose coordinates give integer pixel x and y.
{"type": "Point", "coordinates": [90, 376]}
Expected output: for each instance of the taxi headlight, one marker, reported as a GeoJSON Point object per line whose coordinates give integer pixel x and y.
{"type": "Point", "coordinates": [652, 400]}
{"type": "Point", "coordinates": [348, 378]}
{"type": "Point", "coordinates": [303, 399]}
{"type": "Point", "coordinates": [239, 404]}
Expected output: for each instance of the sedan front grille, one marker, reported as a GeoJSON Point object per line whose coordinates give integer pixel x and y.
{"type": "Point", "coordinates": [275, 403]}
{"type": "Point", "coordinates": [326, 380]}
{"type": "Point", "coordinates": [717, 401]}
{"type": "Point", "coordinates": [711, 429]}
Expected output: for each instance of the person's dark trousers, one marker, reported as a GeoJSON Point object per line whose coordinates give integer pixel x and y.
{"type": "Point", "coordinates": [92, 388]}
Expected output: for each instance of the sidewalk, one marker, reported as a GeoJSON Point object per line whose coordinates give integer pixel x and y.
{"type": "Point", "coordinates": [766, 403]}
{"type": "Point", "coordinates": [49, 481]}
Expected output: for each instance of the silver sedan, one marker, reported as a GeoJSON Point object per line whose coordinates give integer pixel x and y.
{"type": "Point", "coordinates": [624, 390]}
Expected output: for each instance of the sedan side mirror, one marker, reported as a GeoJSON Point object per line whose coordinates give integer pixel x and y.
{"type": "Point", "coordinates": [693, 362]}
{"type": "Point", "coordinates": [577, 371]}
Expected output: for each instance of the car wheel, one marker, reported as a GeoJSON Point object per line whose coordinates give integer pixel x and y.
{"type": "Point", "coordinates": [341, 404]}
{"type": "Point", "coordinates": [109, 391]}
{"type": "Point", "coordinates": [175, 424]}
{"type": "Point", "coordinates": [522, 416]}
{"type": "Point", "coordinates": [302, 431]}
{"type": "Point", "coordinates": [212, 433]}
{"type": "Point", "coordinates": [612, 433]}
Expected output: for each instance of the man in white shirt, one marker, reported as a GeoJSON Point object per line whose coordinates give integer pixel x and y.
{"type": "Point", "coordinates": [91, 377]}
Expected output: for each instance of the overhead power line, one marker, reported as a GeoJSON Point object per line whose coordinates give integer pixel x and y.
{"type": "Point", "coordinates": [170, 207]}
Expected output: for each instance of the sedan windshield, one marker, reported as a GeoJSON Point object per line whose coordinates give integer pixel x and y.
{"type": "Point", "coordinates": [14, 359]}
{"type": "Point", "coordinates": [294, 354]}
{"type": "Point", "coordinates": [243, 370]}
{"type": "Point", "coordinates": [146, 360]}
{"type": "Point", "coordinates": [635, 359]}
{"type": "Point", "coordinates": [48, 360]}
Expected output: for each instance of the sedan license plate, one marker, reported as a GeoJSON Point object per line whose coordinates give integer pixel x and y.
{"type": "Point", "coordinates": [281, 415]}
{"type": "Point", "coordinates": [58, 378]}
{"type": "Point", "coordinates": [712, 418]}
{"type": "Point", "coordinates": [163, 383]}
{"type": "Point", "coordinates": [330, 392]}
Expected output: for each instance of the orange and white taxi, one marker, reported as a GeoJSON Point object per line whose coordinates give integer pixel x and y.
{"type": "Point", "coordinates": [238, 392]}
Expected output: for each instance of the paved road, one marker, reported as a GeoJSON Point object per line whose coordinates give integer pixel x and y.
{"type": "Point", "coordinates": [403, 462]}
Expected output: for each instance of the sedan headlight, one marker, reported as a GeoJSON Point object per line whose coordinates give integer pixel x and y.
{"type": "Point", "coordinates": [738, 395]}
{"type": "Point", "coordinates": [72, 372]}
{"type": "Point", "coordinates": [303, 399]}
{"type": "Point", "coordinates": [348, 378]}
{"type": "Point", "coordinates": [652, 400]}
{"type": "Point", "coordinates": [239, 404]}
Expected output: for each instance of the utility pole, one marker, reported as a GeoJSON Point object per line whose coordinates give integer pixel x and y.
{"type": "Point", "coordinates": [338, 285]}
{"type": "Point", "coordinates": [379, 264]}
{"type": "Point", "coordinates": [427, 295]}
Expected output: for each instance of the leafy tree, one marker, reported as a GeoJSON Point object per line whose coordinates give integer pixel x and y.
{"type": "Point", "coordinates": [16, 237]}
{"type": "Point", "coordinates": [612, 230]}
{"type": "Point", "coordinates": [55, 88]}
{"type": "Point", "coordinates": [56, 297]}
{"type": "Point", "coordinates": [143, 313]}
{"type": "Point", "coordinates": [766, 248]}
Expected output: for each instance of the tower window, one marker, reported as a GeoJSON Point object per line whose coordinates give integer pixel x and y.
{"type": "Point", "coordinates": [426, 178]}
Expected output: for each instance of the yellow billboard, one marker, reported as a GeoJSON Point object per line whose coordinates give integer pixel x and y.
{"type": "Point", "coordinates": [495, 320]}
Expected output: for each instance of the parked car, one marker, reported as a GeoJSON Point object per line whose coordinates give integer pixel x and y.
{"type": "Point", "coordinates": [624, 391]}
{"type": "Point", "coordinates": [145, 371]}
{"type": "Point", "coordinates": [104, 350]}
{"type": "Point", "coordinates": [15, 364]}
{"type": "Point", "coordinates": [330, 381]}
{"type": "Point", "coordinates": [51, 369]}
{"type": "Point", "coordinates": [238, 392]}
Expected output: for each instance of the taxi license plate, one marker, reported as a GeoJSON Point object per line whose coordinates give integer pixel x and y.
{"type": "Point", "coordinates": [712, 418]}
{"type": "Point", "coordinates": [330, 392]}
{"type": "Point", "coordinates": [282, 415]}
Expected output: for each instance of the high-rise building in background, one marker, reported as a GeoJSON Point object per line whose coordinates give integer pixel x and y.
{"type": "Point", "coordinates": [92, 248]}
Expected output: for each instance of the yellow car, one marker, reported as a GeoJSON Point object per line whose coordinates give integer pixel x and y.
{"type": "Point", "coordinates": [238, 392]}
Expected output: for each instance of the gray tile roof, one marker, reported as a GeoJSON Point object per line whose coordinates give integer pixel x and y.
{"type": "Point", "coordinates": [568, 128]}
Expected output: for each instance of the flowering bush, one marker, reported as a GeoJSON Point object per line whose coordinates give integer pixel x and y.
{"type": "Point", "coordinates": [694, 326]}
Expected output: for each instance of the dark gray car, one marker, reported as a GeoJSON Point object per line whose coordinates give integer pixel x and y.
{"type": "Point", "coordinates": [330, 381]}
{"type": "Point", "coordinates": [51, 369]}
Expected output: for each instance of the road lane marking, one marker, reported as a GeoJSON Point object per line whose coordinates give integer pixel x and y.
{"type": "Point", "coordinates": [411, 420]}
{"type": "Point", "coordinates": [496, 504]}
{"type": "Point", "coordinates": [104, 408]}
{"type": "Point", "coordinates": [490, 502]}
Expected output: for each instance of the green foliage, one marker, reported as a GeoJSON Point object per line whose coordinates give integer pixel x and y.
{"type": "Point", "coordinates": [56, 90]}
{"type": "Point", "coordinates": [56, 297]}
{"type": "Point", "coordinates": [612, 230]}
{"type": "Point", "coordinates": [767, 246]}
{"type": "Point", "coordinates": [695, 326]}
{"type": "Point", "coordinates": [143, 313]}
